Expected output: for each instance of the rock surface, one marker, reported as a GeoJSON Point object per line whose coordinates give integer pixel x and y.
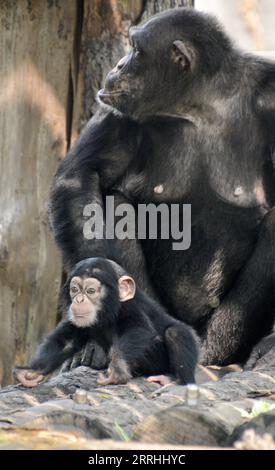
{"type": "Point", "coordinates": [59, 414]}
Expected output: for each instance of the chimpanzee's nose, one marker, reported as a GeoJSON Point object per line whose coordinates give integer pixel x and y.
{"type": "Point", "coordinates": [79, 298]}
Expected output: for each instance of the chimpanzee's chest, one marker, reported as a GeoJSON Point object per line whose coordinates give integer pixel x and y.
{"type": "Point", "coordinates": [224, 225]}
{"type": "Point", "coordinates": [164, 171]}
{"type": "Point", "coordinates": [177, 166]}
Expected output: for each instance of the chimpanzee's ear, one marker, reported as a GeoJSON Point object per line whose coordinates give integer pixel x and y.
{"type": "Point", "coordinates": [182, 54]}
{"type": "Point", "coordinates": [127, 288]}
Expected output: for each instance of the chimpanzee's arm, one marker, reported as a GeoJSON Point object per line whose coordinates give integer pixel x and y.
{"type": "Point", "coordinates": [58, 346]}
{"type": "Point", "coordinates": [100, 156]}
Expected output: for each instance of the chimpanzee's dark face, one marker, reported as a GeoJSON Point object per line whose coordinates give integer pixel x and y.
{"type": "Point", "coordinates": [151, 78]}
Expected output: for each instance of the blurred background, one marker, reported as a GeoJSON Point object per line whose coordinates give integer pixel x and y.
{"type": "Point", "coordinates": [249, 22]}
{"type": "Point", "coordinates": [54, 55]}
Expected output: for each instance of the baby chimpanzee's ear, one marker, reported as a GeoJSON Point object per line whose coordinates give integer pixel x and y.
{"type": "Point", "coordinates": [127, 288]}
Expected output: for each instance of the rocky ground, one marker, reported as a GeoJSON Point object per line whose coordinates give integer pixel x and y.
{"type": "Point", "coordinates": [71, 411]}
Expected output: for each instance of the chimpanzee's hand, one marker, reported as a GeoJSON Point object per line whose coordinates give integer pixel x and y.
{"type": "Point", "coordinates": [28, 377]}
{"type": "Point", "coordinates": [262, 354]}
{"type": "Point", "coordinates": [91, 356]}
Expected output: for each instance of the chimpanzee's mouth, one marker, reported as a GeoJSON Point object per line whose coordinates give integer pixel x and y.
{"type": "Point", "coordinates": [103, 93]}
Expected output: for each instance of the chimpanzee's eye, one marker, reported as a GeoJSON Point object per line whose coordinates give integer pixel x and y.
{"type": "Point", "coordinates": [90, 290]}
{"type": "Point", "coordinates": [74, 289]}
{"type": "Point", "coordinates": [136, 50]}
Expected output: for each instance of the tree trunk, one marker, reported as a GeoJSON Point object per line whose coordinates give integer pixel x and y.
{"type": "Point", "coordinates": [36, 40]}
{"type": "Point", "coordinates": [54, 56]}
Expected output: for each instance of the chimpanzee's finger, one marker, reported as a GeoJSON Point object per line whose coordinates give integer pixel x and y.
{"type": "Point", "coordinates": [29, 378]}
{"type": "Point", "coordinates": [76, 362]}
{"type": "Point", "coordinates": [87, 354]}
{"type": "Point", "coordinates": [99, 359]}
{"type": "Point", "coordinates": [66, 366]}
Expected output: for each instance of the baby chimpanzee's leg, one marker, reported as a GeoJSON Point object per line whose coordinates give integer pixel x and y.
{"type": "Point", "coordinates": [118, 371]}
{"type": "Point", "coordinates": [183, 352]}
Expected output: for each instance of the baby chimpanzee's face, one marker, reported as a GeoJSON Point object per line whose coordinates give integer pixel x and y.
{"type": "Point", "coordinates": [86, 296]}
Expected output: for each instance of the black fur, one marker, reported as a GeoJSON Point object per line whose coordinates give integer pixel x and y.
{"type": "Point", "coordinates": [206, 133]}
{"type": "Point", "coordinates": [148, 339]}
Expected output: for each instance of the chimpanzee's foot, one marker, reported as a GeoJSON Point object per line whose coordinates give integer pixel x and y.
{"type": "Point", "coordinates": [161, 379]}
{"type": "Point", "coordinates": [118, 371]}
{"type": "Point", "coordinates": [262, 354]}
{"type": "Point", "coordinates": [109, 379]}
{"type": "Point", "coordinates": [113, 377]}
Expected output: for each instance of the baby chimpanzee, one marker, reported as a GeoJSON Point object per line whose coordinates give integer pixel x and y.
{"type": "Point", "coordinates": [137, 335]}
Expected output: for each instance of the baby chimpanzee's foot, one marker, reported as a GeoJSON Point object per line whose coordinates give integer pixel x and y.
{"type": "Point", "coordinates": [161, 379]}
{"type": "Point", "coordinates": [117, 373]}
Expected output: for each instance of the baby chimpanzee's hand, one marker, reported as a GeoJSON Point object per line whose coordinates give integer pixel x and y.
{"type": "Point", "coordinates": [28, 377]}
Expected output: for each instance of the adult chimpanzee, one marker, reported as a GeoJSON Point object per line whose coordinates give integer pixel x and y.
{"type": "Point", "coordinates": [185, 117]}
{"type": "Point", "coordinates": [136, 334]}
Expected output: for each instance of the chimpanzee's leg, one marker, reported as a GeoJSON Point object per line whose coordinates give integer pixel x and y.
{"type": "Point", "coordinates": [131, 355]}
{"type": "Point", "coordinates": [263, 354]}
{"type": "Point", "coordinates": [118, 371]}
{"type": "Point", "coordinates": [183, 352]}
{"type": "Point", "coordinates": [246, 314]}
{"type": "Point", "coordinates": [92, 355]}
{"type": "Point", "coordinates": [58, 346]}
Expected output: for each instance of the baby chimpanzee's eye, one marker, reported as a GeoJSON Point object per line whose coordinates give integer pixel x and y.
{"type": "Point", "coordinates": [90, 290]}
{"type": "Point", "coordinates": [74, 289]}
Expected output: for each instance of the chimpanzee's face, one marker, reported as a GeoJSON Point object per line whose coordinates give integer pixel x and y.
{"type": "Point", "coordinates": [86, 299]}
{"type": "Point", "coordinates": [150, 79]}
{"type": "Point", "coordinates": [95, 292]}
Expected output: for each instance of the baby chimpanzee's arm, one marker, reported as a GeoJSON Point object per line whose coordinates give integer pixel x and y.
{"type": "Point", "coordinates": [58, 346]}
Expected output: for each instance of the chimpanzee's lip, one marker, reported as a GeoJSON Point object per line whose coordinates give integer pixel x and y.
{"type": "Point", "coordinates": [104, 93]}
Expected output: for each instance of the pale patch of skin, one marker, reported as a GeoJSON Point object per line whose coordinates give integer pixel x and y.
{"type": "Point", "coordinates": [69, 345]}
{"type": "Point", "coordinates": [260, 192]}
{"type": "Point", "coordinates": [161, 379]}
{"type": "Point", "coordinates": [29, 378]}
{"type": "Point", "coordinates": [86, 295]}
{"type": "Point", "coordinates": [69, 183]}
